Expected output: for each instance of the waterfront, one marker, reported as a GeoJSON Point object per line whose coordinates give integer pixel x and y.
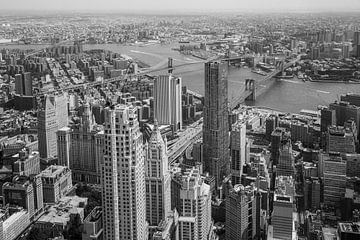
{"type": "Point", "coordinates": [289, 95]}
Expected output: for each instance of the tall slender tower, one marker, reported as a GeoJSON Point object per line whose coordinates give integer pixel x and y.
{"type": "Point", "coordinates": [158, 193]}
{"type": "Point", "coordinates": [51, 117]}
{"type": "Point", "coordinates": [167, 96]}
{"type": "Point", "coordinates": [216, 125]}
{"type": "Point", "coordinates": [123, 177]}
{"type": "Point", "coordinates": [237, 148]}
{"type": "Point", "coordinates": [195, 209]}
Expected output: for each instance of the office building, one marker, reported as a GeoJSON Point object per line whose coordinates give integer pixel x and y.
{"type": "Point", "coordinates": [60, 217]}
{"type": "Point", "coordinates": [11, 226]}
{"type": "Point", "coordinates": [285, 166]}
{"type": "Point", "coordinates": [328, 118]}
{"type": "Point", "coordinates": [57, 183]}
{"type": "Point", "coordinates": [52, 116]}
{"type": "Point", "coordinates": [27, 164]}
{"type": "Point", "coordinates": [241, 213]}
{"type": "Point", "coordinates": [168, 228]}
{"type": "Point", "coordinates": [158, 180]}
{"type": "Point", "coordinates": [123, 178]}
{"type": "Point", "coordinates": [352, 164]}
{"type": "Point", "coordinates": [276, 142]}
{"type": "Point", "coordinates": [312, 193]}
{"type": "Point", "coordinates": [237, 151]}
{"type": "Point", "coordinates": [348, 230]}
{"type": "Point", "coordinates": [216, 124]}
{"type": "Point", "coordinates": [271, 123]}
{"type": "Point", "coordinates": [340, 139]}
{"type": "Point", "coordinates": [23, 84]}
{"type": "Point", "coordinates": [334, 172]}
{"type": "Point", "coordinates": [282, 215]}
{"type": "Point", "coordinates": [77, 147]}
{"type": "Point", "coordinates": [93, 225]}
{"type": "Point", "coordinates": [356, 44]}
{"type": "Point", "coordinates": [351, 98]}
{"type": "Point", "coordinates": [195, 209]}
{"type": "Point", "coordinates": [344, 112]}
{"type": "Point", "coordinates": [24, 192]}
{"type": "Point", "coordinates": [168, 103]}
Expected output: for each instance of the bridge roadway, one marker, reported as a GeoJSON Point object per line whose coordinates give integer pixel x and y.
{"type": "Point", "coordinates": [186, 139]}
{"type": "Point", "coordinates": [234, 103]}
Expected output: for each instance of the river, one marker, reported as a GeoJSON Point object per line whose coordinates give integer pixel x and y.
{"type": "Point", "coordinates": [283, 95]}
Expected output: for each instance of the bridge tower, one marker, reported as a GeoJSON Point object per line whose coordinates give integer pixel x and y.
{"type": "Point", "coordinates": [170, 65]}
{"type": "Point", "coordinates": [250, 86]}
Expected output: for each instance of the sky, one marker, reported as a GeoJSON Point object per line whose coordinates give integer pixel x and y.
{"type": "Point", "coordinates": [182, 5]}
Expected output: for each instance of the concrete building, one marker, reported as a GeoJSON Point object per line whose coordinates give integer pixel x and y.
{"type": "Point", "coordinates": [344, 112]}
{"type": "Point", "coordinates": [59, 217]}
{"type": "Point", "coordinates": [334, 172]}
{"type": "Point", "coordinates": [356, 44]}
{"type": "Point", "coordinates": [24, 192]}
{"type": "Point", "coordinates": [348, 230]}
{"type": "Point", "coordinates": [28, 163]}
{"type": "Point", "coordinates": [158, 180]}
{"type": "Point", "coordinates": [93, 228]}
{"type": "Point", "coordinates": [123, 178]}
{"type": "Point", "coordinates": [283, 206]}
{"type": "Point", "coordinates": [216, 124]}
{"type": "Point", "coordinates": [77, 148]}
{"type": "Point", "coordinates": [168, 102]}
{"type": "Point", "coordinates": [241, 213]}
{"type": "Point", "coordinates": [237, 151]}
{"type": "Point", "coordinates": [195, 210]}
{"type": "Point", "coordinates": [57, 183]}
{"type": "Point", "coordinates": [168, 228]}
{"type": "Point", "coordinates": [351, 98]}
{"type": "Point", "coordinates": [52, 116]}
{"type": "Point", "coordinates": [340, 139]}
{"type": "Point", "coordinates": [23, 84]}
{"type": "Point", "coordinates": [12, 226]}
{"type": "Point", "coordinates": [352, 164]}
{"type": "Point", "coordinates": [285, 166]}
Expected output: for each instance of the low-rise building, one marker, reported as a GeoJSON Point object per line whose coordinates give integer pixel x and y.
{"type": "Point", "coordinates": [57, 182]}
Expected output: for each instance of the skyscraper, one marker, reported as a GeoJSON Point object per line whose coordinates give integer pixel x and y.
{"type": "Point", "coordinates": [195, 211]}
{"type": "Point", "coordinates": [334, 172]}
{"type": "Point", "coordinates": [51, 117]}
{"type": "Point", "coordinates": [168, 103]}
{"type": "Point", "coordinates": [77, 147]}
{"type": "Point", "coordinates": [237, 151]}
{"type": "Point", "coordinates": [23, 84]}
{"type": "Point", "coordinates": [216, 126]}
{"type": "Point", "coordinates": [356, 44]}
{"type": "Point", "coordinates": [241, 213]}
{"type": "Point", "coordinates": [158, 193]}
{"type": "Point", "coordinates": [123, 178]}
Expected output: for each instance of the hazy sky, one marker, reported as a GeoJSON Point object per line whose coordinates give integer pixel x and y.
{"type": "Point", "coordinates": [196, 5]}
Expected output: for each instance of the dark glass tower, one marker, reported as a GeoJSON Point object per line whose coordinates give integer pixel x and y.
{"type": "Point", "coordinates": [216, 126]}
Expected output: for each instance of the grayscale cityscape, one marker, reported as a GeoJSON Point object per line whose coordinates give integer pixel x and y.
{"type": "Point", "coordinates": [180, 120]}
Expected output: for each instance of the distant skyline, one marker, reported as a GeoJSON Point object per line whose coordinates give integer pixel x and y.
{"type": "Point", "coordinates": [182, 5]}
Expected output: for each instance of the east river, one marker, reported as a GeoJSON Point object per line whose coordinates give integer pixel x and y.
{"type": "Point", "coordinates": [284, 95]}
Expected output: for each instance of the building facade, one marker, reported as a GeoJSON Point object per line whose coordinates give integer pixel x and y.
{"type": "Point", "coordinates": [158, 180]}
{"type": "Point", "coordinates": [216, 125]}
{"type": "Point", "coordinates": [52, 116]}
{"type": "Point", "coordinates": [241, 213]}
{"type": "Point", "coordinates": [57, 183]}
{"type": "Point", "coordinates": [195, 210]}
{"type": "Point", "coordinates": [168, 102]}
{"type": "Point", "coordinates": [123, 178]}
{"type": "Point", "coordinates": [77, 148]}
{"type": "Point", "coordinates": [237, 151]}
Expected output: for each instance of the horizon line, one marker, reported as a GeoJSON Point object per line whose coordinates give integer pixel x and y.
{"type": "Point", "coordinates": [178, 11]}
